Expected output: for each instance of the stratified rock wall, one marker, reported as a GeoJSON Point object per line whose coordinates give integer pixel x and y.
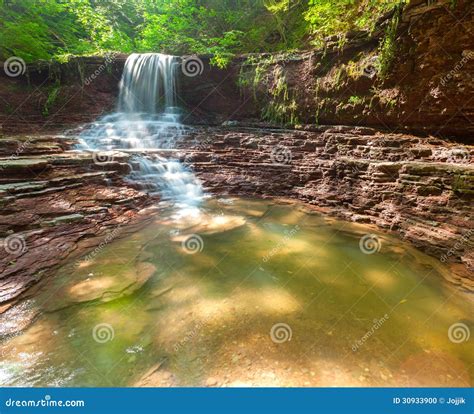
{"type": "Point", "coordinates": [423, 82]}
{"type": "Point", "coordinates": [56, 204]}
{"type": "Point", "coordinates": [423, 188]}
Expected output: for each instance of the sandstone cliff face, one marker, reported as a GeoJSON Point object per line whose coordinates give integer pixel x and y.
{"type": "Point", "coordinates": [53, 96]}
{"type": "Point", "coordinates": [413, 73]}
{"type": "Point", "coordinates": [422, 81]}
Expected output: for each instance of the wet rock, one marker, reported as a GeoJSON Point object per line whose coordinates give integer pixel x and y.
{"type": "Point", "coordinates": [156, 376]}
{"type": "Point", "coordinates": [107, 283]}
{"type": "Point", "coordinates": [54, 203]}
{"type": "Point", "coordinates": [415, 194]}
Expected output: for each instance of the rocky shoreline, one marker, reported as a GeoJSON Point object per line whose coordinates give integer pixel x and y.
{"type": "Point", "coordinates": [420, 188]}
{"type": "Point", "coordinates": [58, 204]}
{"type": "Point", "coordinates": [55, 205]}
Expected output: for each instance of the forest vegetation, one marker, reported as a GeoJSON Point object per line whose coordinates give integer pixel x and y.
{"type": "Point", "coordinates": [59, 29]}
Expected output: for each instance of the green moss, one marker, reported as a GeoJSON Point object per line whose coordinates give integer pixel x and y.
{"type": "Point", "coordinates": [355, 100]}
{"type": "Point", "coordinates": [318, 103]}
{"type": "Point", "coordinates": [257, 74]}
{"type": "Point", "coordinates": [52, 98]}
{"type": "Point", "coordinates": [282, 107]}
{"type": "Point", "coordinates": [336, 79]}
{"type": "Point", "coordinates": [388, 46]}
{"type": "Point", "coordinates": [353, 69]}
{"type": "Point", "coordinates": [8, 109]}
{"type": "Point", "coordinates": [462, 184]}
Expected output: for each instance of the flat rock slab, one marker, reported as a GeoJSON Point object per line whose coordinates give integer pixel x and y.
{"type": "Point", "coordinates": [71, 218]}
{"type": "Point", "coordinates": [16, 165]}
{"type": "Point", "coordinates": [103, 285]}
{"type": "Point", "coordinates": [113, 270]}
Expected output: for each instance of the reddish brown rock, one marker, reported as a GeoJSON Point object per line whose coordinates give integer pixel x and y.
{"type": "Point", "coordinates": [424, 192]}
{"type": "Point", "coordinates": [56, 205]}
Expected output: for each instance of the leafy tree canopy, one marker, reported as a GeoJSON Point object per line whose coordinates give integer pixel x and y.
{"type": "Point", "coordinates": [44, 29]}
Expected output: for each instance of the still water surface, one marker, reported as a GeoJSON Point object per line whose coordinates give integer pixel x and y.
{"type": "Point", "coordinates": [248, 293]}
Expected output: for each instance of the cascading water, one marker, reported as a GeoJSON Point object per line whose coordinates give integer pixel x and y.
{"type": "Point", "coordinates": [148, 121]}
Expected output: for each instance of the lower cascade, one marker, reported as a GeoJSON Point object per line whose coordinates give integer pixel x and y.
{"type": "Point", "coordinates": [146, 123]}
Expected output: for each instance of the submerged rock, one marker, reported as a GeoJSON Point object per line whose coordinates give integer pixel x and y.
{"type": "Point", "coordinates": [156, 376]}
{"type": "Point", "coordinates": [104, 283]}
{"type": "Point", "coordinates": [218, 224]}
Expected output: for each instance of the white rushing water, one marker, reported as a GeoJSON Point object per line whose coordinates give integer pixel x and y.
{"type": "Point", "coordinates": [148, 120]}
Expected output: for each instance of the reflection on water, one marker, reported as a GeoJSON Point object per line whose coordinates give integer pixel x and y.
{"type": "Point", "coordinates": [267, 294]}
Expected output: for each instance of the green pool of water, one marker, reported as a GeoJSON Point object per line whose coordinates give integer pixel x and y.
{"type": "Point", "coordinates": [249, 293]}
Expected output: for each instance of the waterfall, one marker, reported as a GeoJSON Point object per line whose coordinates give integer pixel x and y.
{"type": "Point", "coordinates": [148, 83]}
{"type": "Point", "coordinates": [147, 121]}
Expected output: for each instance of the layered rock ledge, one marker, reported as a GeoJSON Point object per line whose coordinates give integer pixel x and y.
{"type": "Point", "coordinates": [56, 204]}
{"type": "Point", "coordinates": [422, 188]}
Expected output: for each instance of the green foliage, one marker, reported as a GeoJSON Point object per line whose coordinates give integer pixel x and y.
{"type": "Point", "coordinates": [388, 46]}
{"type": "Point", "coordinates": [355, 100]}
{"type": "Point", "coordinates": [336, 18]}
{"type": "Point", "coordinates": [47, 29]}
{"type": "Point", "coordinates": [265, 74]}
{"type": "Point", "coordinates": [52, 98]}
